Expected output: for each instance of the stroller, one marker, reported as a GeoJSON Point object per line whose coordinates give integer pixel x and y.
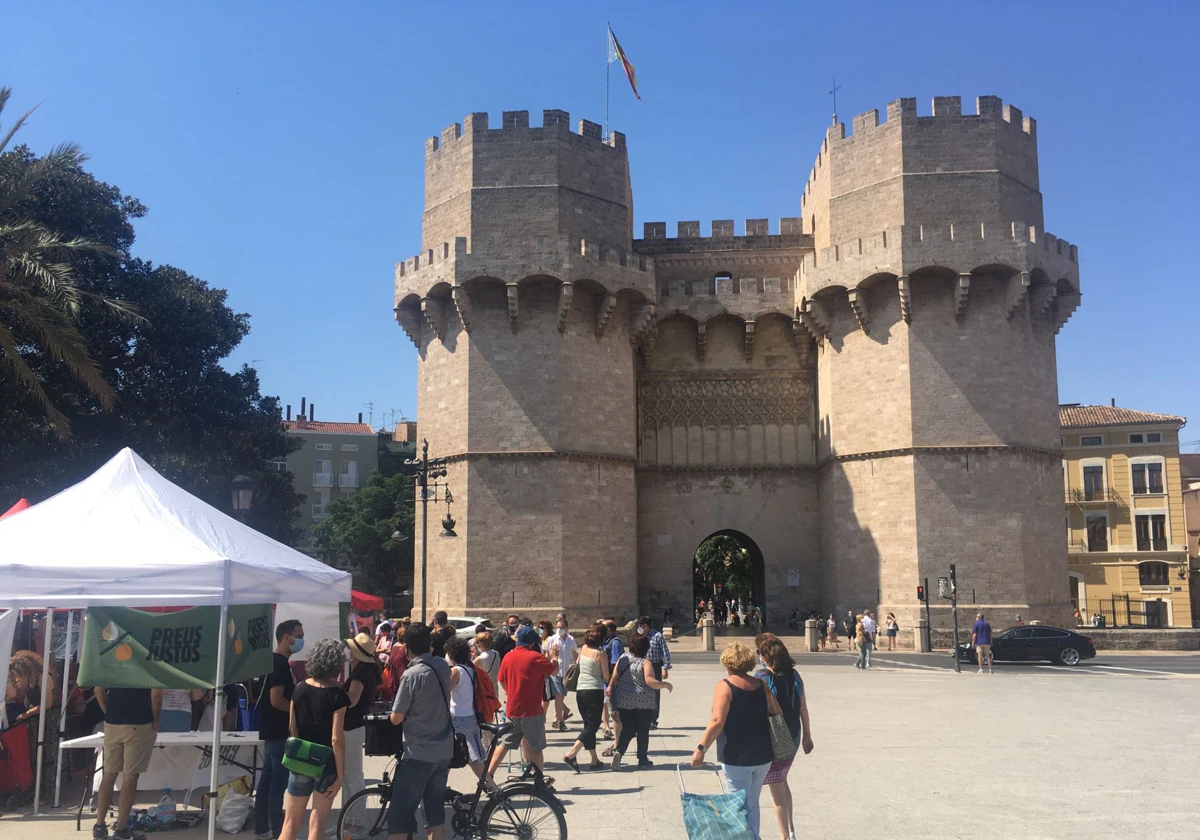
{"type": "Point", "coordinates": [16, 766]}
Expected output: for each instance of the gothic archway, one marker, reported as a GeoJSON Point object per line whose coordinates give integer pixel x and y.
{"type": "Point", "coordinates": [745, 575]}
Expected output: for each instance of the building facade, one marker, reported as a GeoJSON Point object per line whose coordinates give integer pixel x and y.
{"type": "Point", "coordinates": [1126, 536]}
{"type": "Point", "coordinates": [1189, 469]}
{"type": "Point", "coordinates": [863, 395]}
{"type": "Point", "coordinates": [334, 461]}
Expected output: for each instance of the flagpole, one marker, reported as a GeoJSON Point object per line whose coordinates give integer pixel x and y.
{"type": "Point", "coordinates": [607, 76]}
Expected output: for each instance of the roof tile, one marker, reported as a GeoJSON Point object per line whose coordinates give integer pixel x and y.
{"type": "Point", "coordinates": [330, 428]}
{"type": "Point", "coordinates": [1087, 416]}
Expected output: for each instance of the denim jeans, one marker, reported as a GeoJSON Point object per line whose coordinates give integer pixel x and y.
{"type": "Point", "coordinates": [272, 782]}
{"type": "Point", "coordinates": [864, 655]}
{"type": "Point", "coordinates": [750, 779]}
{"type": "Point", "coordinates": [416, 782]}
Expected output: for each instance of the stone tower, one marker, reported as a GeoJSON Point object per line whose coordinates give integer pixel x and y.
{"type": "Point", "coordinates": [864, 396]}
{"type": "Point", "coordinates": [935, 296]}
{"type": "Point", "coordinates": [525, 305]}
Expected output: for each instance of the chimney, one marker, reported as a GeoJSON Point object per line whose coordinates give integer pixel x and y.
{"type": "Point", "coordinates": [289, 413]}
{"type": "Point", "coordinates": [312, 412]}
{"type": "Point", "coordinates": [303, 403]}
{"type": "Point", "coordinates": [360, 417]}
{"type": "Point", "coordinates": [1114, 402]}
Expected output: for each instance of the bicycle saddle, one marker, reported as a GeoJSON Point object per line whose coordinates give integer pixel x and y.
{"type": "Point", "coordinates": [497, 729]}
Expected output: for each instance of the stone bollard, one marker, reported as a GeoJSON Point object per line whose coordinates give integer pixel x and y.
{"type": "Point", "coordinates": [810, 635]}
{"type": "Point", "coordinates": [921, 636]}
{"type": "Point", "coordinates": [707, 634]}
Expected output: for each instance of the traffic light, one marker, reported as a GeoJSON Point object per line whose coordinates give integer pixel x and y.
{"type": "Point", "coordinates": [920, 593]}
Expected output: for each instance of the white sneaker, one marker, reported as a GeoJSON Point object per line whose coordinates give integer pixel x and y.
{"type": "Point", "coordinates": [980, 671]}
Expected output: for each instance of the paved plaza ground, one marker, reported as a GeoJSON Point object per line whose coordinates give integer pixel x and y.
{"type": "Point", "coordinates": [913, 750]}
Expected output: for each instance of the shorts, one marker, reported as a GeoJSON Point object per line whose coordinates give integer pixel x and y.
{"type": "Point", "coordinates": [892, 632]}
{"type": "Point", "coordinates": [983, 653]}
{"type": "Point", "coordinates": [531, 729]}
{"type": "Point", "coordinates": [556, 686]}
{"type": "Point", "coordinates": [128, 748]}
{"type": "Point", "coordinates": [303, 786]}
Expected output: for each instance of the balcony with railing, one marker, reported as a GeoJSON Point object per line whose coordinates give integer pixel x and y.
{"type": "Point", "coordinates": [350, 480]}
{"type": "Point", "coordinates": [323, 479]}
{"type": "Point", "coordinates": [1092, 495]}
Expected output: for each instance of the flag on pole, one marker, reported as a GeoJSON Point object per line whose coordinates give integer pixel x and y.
{"type": "Point", "coordinates": [615, 53]}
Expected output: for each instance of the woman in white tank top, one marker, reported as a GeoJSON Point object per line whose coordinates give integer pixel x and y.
{"type": "Point", "coordinates": [462, 701]}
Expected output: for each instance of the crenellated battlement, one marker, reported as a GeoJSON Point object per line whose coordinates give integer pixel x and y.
{"type": "Point", "coordinates": [514, 125]}
{"type": "Point", "coordinates": [960, 247]}
{"type": "Point", "coordinates": [565, 258]}
{"type": "Point", "coordinates": [756, 236]}
{"type": "Point", "coordinates": [946, 115]}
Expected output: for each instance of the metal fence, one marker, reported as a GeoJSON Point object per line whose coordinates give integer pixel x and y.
{"type": "Point", "coordinates": [1126, 612]}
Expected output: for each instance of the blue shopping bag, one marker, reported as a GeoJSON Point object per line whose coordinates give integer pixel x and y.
{"type": "Point", "coordinates": [715, 816]}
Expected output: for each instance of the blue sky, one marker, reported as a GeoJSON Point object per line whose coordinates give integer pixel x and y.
{"type": "Point", "coordinates": [279, 147]}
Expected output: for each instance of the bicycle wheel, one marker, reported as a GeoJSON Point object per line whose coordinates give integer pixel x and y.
{"type": "Point", "coordinates": [365, 815]}
{"type": "Point", "coordinates": [524, 812]}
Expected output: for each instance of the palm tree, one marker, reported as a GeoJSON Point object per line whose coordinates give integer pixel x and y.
{"type": "Point", "coordinates": [40, 296]}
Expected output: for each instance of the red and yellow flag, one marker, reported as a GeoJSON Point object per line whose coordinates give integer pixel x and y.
{"type": "Point", "coordinates": [615, 53]}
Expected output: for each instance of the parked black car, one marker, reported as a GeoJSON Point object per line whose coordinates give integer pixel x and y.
{"type": "Point", "coordinates": [1034, 643]}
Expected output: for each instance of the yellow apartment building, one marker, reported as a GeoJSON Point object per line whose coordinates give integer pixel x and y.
{"type": "Point", "coordinates": [1126, 537]}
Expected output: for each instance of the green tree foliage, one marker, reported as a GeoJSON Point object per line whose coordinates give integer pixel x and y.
{"type": "Point", "coordinates": [722, 559]}
{"type": "Point", "coordinates": [359, 530]}
{"type": "Point", "coordinates": [41, 298]}
{"type": "Point", "coordinates": [173, 402]}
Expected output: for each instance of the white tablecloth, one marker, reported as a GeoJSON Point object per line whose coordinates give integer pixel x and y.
{"type": "Point", "coordinates": [178, 764]}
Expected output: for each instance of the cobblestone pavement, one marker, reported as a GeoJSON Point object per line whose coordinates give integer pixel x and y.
{"type": "Point", "coordinates": [909, 752]}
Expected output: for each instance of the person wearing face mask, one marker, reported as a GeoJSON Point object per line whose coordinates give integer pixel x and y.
{"type": "Point", "coordinates": [659, 659]}
{"type": "Point", "coordinates": [564, 653]}
{"type": "Point", "coordinates": [274, 722]}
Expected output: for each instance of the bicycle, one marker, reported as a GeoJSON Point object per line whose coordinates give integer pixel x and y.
{"type": "Point", "coordinates": [524, 807]}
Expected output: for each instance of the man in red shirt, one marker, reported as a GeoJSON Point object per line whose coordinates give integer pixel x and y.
{"type": "Point", "coordinates": [523, 673]}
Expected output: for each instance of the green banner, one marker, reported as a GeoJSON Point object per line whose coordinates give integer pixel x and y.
{"type": "Point", "coordinates": [128, 648]}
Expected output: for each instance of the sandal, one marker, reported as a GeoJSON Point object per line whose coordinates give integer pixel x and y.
{"type": "Point", "coordinates": [606, 735]}
{"type": "Point", "coordinates": [608, 752]}
{"type": "Point", "coordinates": [596, 765]}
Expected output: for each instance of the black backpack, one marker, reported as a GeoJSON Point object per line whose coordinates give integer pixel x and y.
{"type": "Point", "coordinates": [788, 688]}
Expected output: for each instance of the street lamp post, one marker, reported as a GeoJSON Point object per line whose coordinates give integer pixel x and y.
{"type": "Point", "coordinates": [426, 469]}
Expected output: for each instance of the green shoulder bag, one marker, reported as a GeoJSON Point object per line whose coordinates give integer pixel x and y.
{"type": "Point", "coordinates": [304, 758]}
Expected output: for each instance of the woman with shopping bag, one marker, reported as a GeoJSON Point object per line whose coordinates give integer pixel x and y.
{"type": "Point", "coordinates": [741, 728]}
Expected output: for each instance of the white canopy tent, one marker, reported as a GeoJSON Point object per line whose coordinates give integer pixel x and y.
{"type": "Point", "coordinates": [125, 536]}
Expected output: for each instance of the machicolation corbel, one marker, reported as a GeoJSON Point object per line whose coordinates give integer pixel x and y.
{"type": "Point", "coordinates": [816, 317]}
{"type": "Point", "coordinates": [904, 286]}
{"type": "Point", "coordinates": [858, 305]}
{"type": "Point", "coordinates": [514, 295]}
{"type": "Point", "coordinates": [462, 302]}
{"type": "Point", "coordinates": [565, 292]}
{"type": "Point", "coordinates": [604, 309]}
{"type": "Point", "coordinates": [1018, 288]}
{"type": "Point", "coordinates": [435, 315]}
{"type": "Point", "coordinates": [701, 337]}
{"type": "Point", "coordinates": [749, 342]}
{"type": "Point", "coordinates": [962, 288]}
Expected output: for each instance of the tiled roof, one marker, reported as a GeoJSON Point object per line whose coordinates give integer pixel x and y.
{"type": "Point", "coordinates": [325, 427]}
{"type": "Point", "coordinates": [1088, 416]}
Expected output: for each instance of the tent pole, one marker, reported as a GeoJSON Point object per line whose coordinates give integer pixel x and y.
{"type": "Point", "coordinates": [62, 717]}
{"type": "Point", "coordinates": [43, 710]}
{"type": "Point", "coordinates": [218, 711]}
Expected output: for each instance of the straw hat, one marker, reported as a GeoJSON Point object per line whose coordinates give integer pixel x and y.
{"type": "Point", "coordinates": [362, 647]}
